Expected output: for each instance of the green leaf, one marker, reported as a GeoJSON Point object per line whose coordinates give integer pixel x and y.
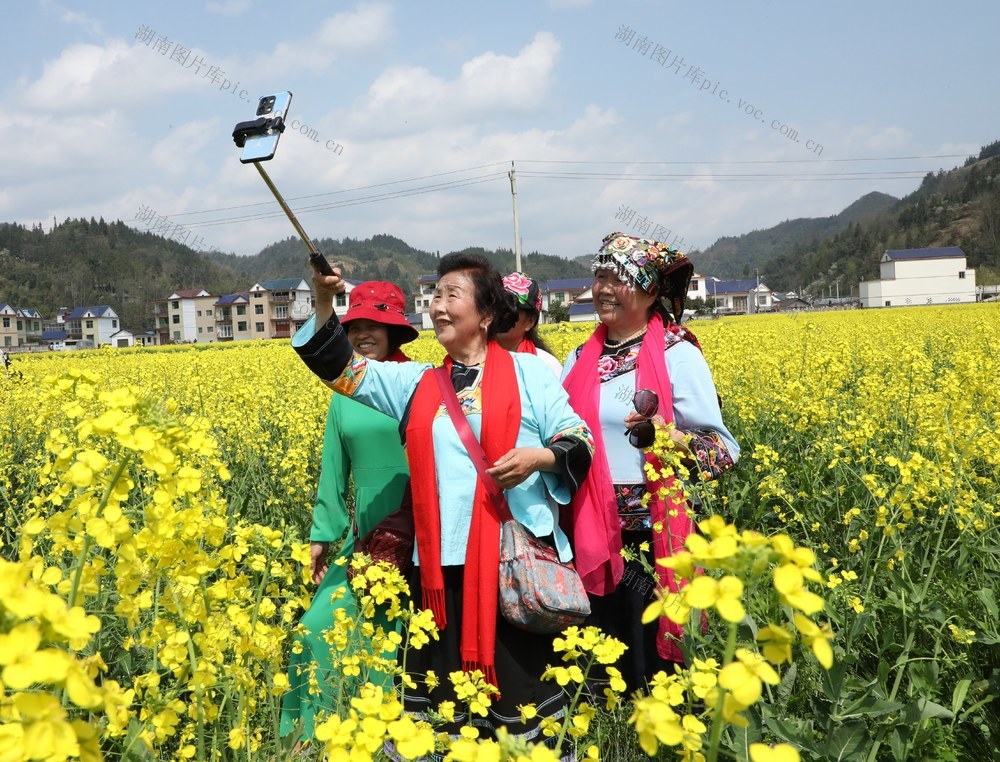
{"type": "Point", "coordinates": [924, 676]}
{"type": "Point", "coordinates": [922, 709]}
{"type": "Point", "coordinates": [787, 683]}
{"type": "Point", "coordinates": [795, 732]}
{"type": "Point", "coordinates": [989, 601]}
{"type": "Point", "coordinates": [848, 742]}
{"type": "Point", "coordinates": [958, 697]}
{"type": "Point", "coordinates": [870, 706]}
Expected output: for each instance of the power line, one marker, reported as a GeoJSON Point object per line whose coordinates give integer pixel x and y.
{"type": "Point", "coordinates": [760, 161]}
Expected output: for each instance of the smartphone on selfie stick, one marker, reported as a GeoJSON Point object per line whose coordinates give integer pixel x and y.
{"type": "Point", "coordinates": [259, 140]}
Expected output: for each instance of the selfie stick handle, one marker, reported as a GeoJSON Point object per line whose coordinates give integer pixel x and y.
{"type": "Point", "coordinates": [317, 260]}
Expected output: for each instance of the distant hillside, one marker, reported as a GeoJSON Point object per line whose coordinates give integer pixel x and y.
{"type": "Point", "coordinates": [960, 207]}
{"type": "Point", "coordinates": [85, 263]}
{"type": "Point", "coordinates": [736, 256]}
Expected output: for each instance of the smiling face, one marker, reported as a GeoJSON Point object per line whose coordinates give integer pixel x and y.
{"type": "Point", "coordinates": [620, 308]}
{"type": "Point", "coordinates": [370, 339]}
{"type": "Point", "coordinates": [457, 322]}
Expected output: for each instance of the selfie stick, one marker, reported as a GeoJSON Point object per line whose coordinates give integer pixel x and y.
{"type": "Point", "coordinates": [317, 260]}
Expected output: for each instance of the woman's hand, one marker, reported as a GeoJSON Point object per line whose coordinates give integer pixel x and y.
{"type": "Point", "coordinates": [327, 287]}
{"type": "Point", "coordinates": [520, 463]}
{"type": "Point", "coordinates": [318, 564]}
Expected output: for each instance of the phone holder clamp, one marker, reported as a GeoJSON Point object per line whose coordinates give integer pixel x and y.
{"type": "Point", "coordinates": [256, 128]}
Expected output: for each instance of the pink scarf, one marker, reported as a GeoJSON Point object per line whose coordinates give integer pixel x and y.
{"type": "Point", "coordinates": [595, 527]}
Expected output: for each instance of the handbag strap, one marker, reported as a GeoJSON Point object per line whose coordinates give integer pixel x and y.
{"type": "Point", "coordinates": [472, 444]}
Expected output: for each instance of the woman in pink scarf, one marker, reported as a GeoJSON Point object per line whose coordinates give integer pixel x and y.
{"type": "Point", "coordinates": [640, 370]}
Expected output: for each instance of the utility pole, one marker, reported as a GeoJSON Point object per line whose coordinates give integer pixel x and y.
{"type": "Point", "coordinates": [838, 289]}
{"type": "Point", "coordinates": [517, 228]}
{"type": "Point", "coordinates": [756, 306]}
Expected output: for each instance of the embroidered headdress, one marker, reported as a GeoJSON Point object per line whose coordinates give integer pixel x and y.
{"type": "Point", "coordinates": [647, 264]}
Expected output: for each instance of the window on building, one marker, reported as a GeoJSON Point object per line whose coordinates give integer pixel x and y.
{"type": "Point", "coordinates": [177, 335]}
{"type": "Point", "coordinates": [211, 329]}
{"type": "Point", "coordinates": [199, 313]}
{"type": "Point", "coordinates": [259, 327]}
{"type": "Point", "coordinates": [241, 325]}
{"type": "Point", "coordinates": [175, 305]}
{"type": "Point", "coordinates": [281, 311]}
{"type": "Point", "coordinates": [241, 309]}
{"type": "Point", "coordinates": [200, 330]}
{"type": "Point", "coordinates": [176, 319]}
{"type": "Point", "coordinates": [208, 313]}
{"type": "Point", "coordinates": [888, 303]}
{"type": "Point", "coordinates": [341, 300]}
{"type": "Point", "coordinates": [693, 286]}
{"type": "Point", "coordinates": [20, 325]}
{"type": "Point", "coordinates": [6, 340]}
{"type": "Point", "coordinates": [961, 274]}
{"type": "Point", "coordinates": [90, 324]}
{"type": "Point", "coordinates": [114, 323]}
{"type": "Point", "coordinates": [6, 322]}
{"type": "Point", "coordinates": [258, 309]}
{"type": "Point", "coordinates": [258, 294]}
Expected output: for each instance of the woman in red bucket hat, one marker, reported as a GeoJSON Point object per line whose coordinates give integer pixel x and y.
{"type": "Point", "coordinates": [364, 444]}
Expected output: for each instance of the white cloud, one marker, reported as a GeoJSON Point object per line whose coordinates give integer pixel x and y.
{"type": "Point", "coordinates": [229, 7]}
{"type": "Point", "coordinates": [489, 86]}
{"type": "Point", "coordinates": [368, 26]}
{"type": "Point", "coordinates": [77, 18]}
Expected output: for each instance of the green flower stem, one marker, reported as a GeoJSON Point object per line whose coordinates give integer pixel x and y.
{"type": "Point", "coordinates": [717, 722]}
{"type": "Point", "coordinates": [573, 704]}
{"type": "Point", "coordinates": [81, 559]}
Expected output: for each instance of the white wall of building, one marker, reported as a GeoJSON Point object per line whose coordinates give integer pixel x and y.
{"type": "Point", "coordinates": [920, 281]}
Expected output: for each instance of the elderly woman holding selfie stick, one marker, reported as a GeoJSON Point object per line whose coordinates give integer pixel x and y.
{"type": "Point", "coordinates": [539, 450]}
{"type": "Point", "coordinates": [641, 371]}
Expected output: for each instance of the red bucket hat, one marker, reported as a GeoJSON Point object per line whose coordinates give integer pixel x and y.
{"type": "Point", "coordinates": [383, 303]}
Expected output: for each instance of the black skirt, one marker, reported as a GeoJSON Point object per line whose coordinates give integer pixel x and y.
{"type": "Point", "coordinates": [620, 615]}
{"type": "Point", "coordinates": [521, 658]}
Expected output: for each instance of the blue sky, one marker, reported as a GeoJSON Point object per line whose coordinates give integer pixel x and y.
{"type": "Point", "coordinates": [415, 111]}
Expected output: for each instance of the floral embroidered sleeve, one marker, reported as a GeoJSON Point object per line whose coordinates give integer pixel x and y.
{"type": "Point", "coordinates": [711, 455]}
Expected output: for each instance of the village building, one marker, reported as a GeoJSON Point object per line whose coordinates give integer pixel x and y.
{"type": "Point", "coordinates": [89, 327]}
{"type": "Point", "coordinates": [19, 326]}
{"type": "Point", "coordinates": [920, 276]}
{"type": "Point", "coordinates": [737, 297]}
{"type": "Point", "coordinates": [185, 316]}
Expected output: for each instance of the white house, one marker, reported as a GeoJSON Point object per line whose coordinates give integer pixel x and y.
{"type": "Point", "coordinates": [737, 296]}
{"type": "Point", "coordinates": [91, 324]}
{"type": "Point", "coordinates": [568, 291]}
{"type": "Point", "coordinates": [186, 316]}
{"type": "Point", "coordinates": [920, 276]}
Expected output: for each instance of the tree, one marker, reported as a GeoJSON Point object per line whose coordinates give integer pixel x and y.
{"type": "Point", "coordinates": [558, 312]}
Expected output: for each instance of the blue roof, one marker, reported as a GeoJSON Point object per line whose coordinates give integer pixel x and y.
{"type": "Point", "coordinates": [583, 308]}
{"type": "Point", "coordinates": [280, 284]}
{"type": "Point", "coordinates": [941, 253]}
{"type": "Point", "coordinates": [713, 287]}
{"type": "Point", "coordinates": [54, 335]}
{"type": "Point", "coordinates": [567, 284]}
{"type": "Point", "coordinates": [230, 298]}
{"type": "Point", "coordinates": [428, 279]}
{"type": "Point", "coordinates": [80, 312]}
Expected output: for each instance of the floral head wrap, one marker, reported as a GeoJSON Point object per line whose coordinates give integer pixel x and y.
{"type": "Point", "coordinates": [647, 264]}
{"type": "Point", "coordinates": [525, 290]}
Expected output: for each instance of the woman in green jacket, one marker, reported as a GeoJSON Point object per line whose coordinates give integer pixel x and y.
{"type": "Point", "coordinates": [363, 443]}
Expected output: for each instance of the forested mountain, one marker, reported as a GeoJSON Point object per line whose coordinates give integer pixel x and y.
{"type": "Point", "coordinates": [736, 256]}
{"type": "Point", "coordinates": [960, 207]}
{"type": "Point", "coordinates": [86, 263]}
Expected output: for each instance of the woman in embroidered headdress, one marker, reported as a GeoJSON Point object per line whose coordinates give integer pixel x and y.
{"type": "Point", "coordinates": [540, 450]}
{"type": "Point", "coordinates": [640, 371]}
{"type": "Point", "coordinates": [523, 336]}
{"type": "Point", "coordinates": [360, 444]}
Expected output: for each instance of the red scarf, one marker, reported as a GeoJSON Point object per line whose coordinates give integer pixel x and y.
{"type": "Point", "coordinates": [596, 528]}
{"type": "Point", "coordinates": [396, 356]}
{"type": "Point", "coordinates": [527, 346]}
{"type": "Point", "coordinates": [501, 420]}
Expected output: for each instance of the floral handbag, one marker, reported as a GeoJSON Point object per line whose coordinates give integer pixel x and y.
{"type": "Point", "coordinates": [538, 592]}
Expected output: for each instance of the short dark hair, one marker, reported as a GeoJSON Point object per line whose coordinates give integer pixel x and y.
{"type": "Point", "coordinates": [491, 297]}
